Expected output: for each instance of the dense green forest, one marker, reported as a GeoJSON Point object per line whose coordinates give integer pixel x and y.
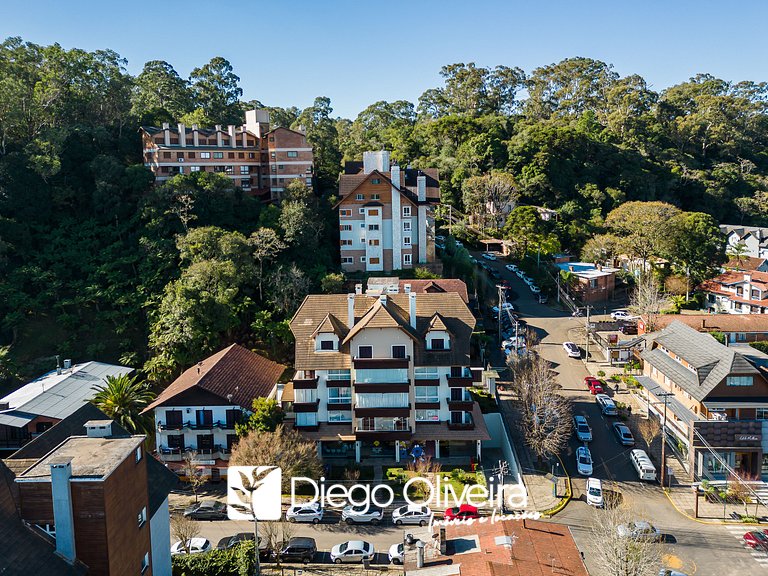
{"type": "Point", "coordinates": [96, 263]}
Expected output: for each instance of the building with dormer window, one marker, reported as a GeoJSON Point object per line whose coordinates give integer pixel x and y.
{"type": "Point", "coordinates": [378, 374]}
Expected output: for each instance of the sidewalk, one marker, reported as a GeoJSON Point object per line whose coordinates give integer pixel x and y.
{"type": "Point", "coordinates": [541, 497]}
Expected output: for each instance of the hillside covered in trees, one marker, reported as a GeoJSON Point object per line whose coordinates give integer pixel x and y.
{"type": "Point", "coordinates": [96, 263]}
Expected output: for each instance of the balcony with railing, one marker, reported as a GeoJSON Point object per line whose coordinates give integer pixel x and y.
{"type": "Point", "coordinates": [461, 421]}
{"type": "Point", "coordinates": [194, 425]}
{"type": "Point", "coordinates": [381, 425]}
{"type": "Point", "coordinates": [304, 379]}
{"type": "Point", "coordinates": [460, 377]}
{"type": "Point", "coordinates": [171, 454]}
{"type": "Point", "coordinates": [460, 400]}
{"type": "Point", "coordinates": [360, 362]}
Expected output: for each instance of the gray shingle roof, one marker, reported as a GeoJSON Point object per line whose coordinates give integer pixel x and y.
{"type": "Point", "coordinates": [711, 360]}
{"type": "Point", "coordinates": [679, 409]}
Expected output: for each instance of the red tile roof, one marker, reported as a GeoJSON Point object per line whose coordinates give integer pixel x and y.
{"type": "Point", "coordinates": [746, 263]}
{"type": "Point", "coordinates": [235, 370]}
{"type": "Point", "coordinates": [747, 323]}
{"type": "Point", "coordinates": [437, 285]}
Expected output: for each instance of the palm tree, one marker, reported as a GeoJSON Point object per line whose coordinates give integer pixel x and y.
{"type": "Point", "coordinates": [738, 252]}
{"type": "Point", "coordinates": [122, 398]}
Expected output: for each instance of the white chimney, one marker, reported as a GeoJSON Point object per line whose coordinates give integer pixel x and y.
{"type": "Point", "coordinates": [232, 135]}
{"type": "Point", "coordinates": [167, 133]}
{"type": "Point", "coordinates": [182, 135]}
{"type": "Point", "coordinates": [67, 363]}
{"type": "Point", "coordinates": [421, 188]}
{"type": "Point", "coordinates": [351, 310]}
{"type": "Point", "coordinates": [98, 428]}
{"type": "Point", "coordinates": [383, 299]}
{"type": "Point", "coordinates": [195, 135]}
{"type": "Point", "coordinates": [358, 288]}
{"type": "Point", "coordinates": [412, 308]}
{"type": "Point", "coordinates": [407, 288]}
{"type": "Point", "coordinates": [61, 494]}
{"type": "Point", "coordinates": [375, 161]}
{"type": "Point", "coordinates": [218, 136]}
{"type": "Point", "coordinates": [395, 175]}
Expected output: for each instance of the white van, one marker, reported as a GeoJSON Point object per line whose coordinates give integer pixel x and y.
{"type": "Point", "coordinates": [643, 465]}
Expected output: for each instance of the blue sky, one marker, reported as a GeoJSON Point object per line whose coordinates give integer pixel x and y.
{"type": "Point", "coordinates": [286, 53]}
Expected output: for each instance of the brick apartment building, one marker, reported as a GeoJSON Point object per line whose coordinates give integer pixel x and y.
{"type": "Point", "coordinates": [260, 160]}
{"type": "Point", "coordinates": [376, 375]}
{"type": "Point", "coordinates": [386, 218]}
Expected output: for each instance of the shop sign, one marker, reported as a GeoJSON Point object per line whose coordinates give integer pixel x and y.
{"type": "Point", "coordinates": [747, 438]}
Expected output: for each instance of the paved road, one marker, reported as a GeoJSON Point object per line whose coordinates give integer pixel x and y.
{"type": "Point", "coordinates": [698, 548]}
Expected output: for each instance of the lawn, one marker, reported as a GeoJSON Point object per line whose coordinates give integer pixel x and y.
{"type": "Point", "coordinates": [457, 478]}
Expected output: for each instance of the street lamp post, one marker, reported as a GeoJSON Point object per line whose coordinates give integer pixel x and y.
{"type": "Point", "coordinates": [665, 396]}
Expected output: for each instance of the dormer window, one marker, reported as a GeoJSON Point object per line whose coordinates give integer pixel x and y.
{"type": "Point", "coordinates": [437, 344]}
{"type": "Point", "coordinates": [326, 342]}
{"type": "Point", "coordinates": [438, 340]}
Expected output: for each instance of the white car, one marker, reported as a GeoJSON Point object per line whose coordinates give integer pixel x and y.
{"type": "Point", "coordinates": [595, 492]}
{"type": "Point", "coordinates": [489, 255]}
{"type": "Point", "coordinates": [196, 546]}
{"type": "Point", "coordinates": [622, 315]}
{"type": "Point", "coordinates": [396, 553]}
{"type": "Point", "coordinates": [584, 461]}
{"type": "Point", "coordinates": [572, 350]}
{"type": "Point", "coordinates": [527, 279]}
{"type": "Point", "coordinates": [412, 514]}
{"type": "Point", "coordinates": [535, 289]}
{"type": "Point", "coordinates": [519, 273]}
{"type": "Point", "coordinates": [582, 429]}
{"type": "Point", "coordinates": [511, 267]}
{"type": "Point", "coordinates": [440, 238]}
{"type": "Point", "coordinates": [352, 551]}
{"type": "Point", "coordinates": [639, 530]}
{"type": "Point", "coordinates": [506, 306]}
{"type": "Point", "coordinates": [607, 406]}
{"type": "Point", "coordinates": [362, 514]}
{"type": "Point", "coordinates": [305, 513]}
{"type": "Point", "coordinates": [510, 342]}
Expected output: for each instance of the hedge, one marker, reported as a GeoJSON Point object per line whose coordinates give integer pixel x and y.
{"type": "Point", "coordinates": [762, 346]}
{"type": "Point", "coordinates": [237, 561]}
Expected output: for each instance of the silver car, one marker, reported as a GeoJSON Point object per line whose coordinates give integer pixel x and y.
{"type": "Point", "coordinates": [362, 514]}
{"type": "Point", "coordinates": [352, 551]}
{"type": "Point", "coordinates": [412, 514]}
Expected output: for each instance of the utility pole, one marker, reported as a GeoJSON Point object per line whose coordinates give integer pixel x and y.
{"type": "Point", "coordinates": [587, 327]}
{"type": "Point", "coordinates": [664, 441]}
{"type": "Point", "coordinates": [450, 218]}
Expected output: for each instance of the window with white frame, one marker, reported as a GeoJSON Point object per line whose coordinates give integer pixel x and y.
{"type": "Point", "coordinates": [388, 400]}
{"type": "Point", "coordinates": [346, 242]}
{"type": "Point", "coordinates": [339, 416]}
{"type": "Point", "coordinates": [338, 375]}
{"type": "Point", "coordinates": [739, 381]}
{"type": "Point", "coordinates": [426, 373]}
{"type": "Point", "coordinates": [428, 415]}
{"type": "Point", "coordinates": [345, 227]}
{"type": "Point", "coordinates": [375, 196]}
{"type": "Point", "coordinates": [360, 197]}
{"type": "Point", "coordinates": [407, 241]}
{"type": "Point", "coordinates": [145, 563]}
{"type": "Point", "coordinates": [345, 213]}
{"type": "Point", "coordinates": [362, 259]}
{"type": "Point", "coordinates": [761, 414]}
{"type": "Point", "coordinates": [138, 454]}
{"type": "Point", "coordinates": [407, 226]}
{"type": "Point", "coordinates": [306, 419]}
{"type": "Point", "coordinates": [194, 168]}
{"type": "Point", "coordinates": [347, 260]}
{"type": "Point", "coordinates": [361, 210]}
{"type": "Point", "coordinates": [427, 393]}
{"type": "Point", "coordinates": [142, 517]}
{"type": "Point", "coordinates": [399, 351]}
{"type": "Point", "coordinates": [339, 395]}
{"type": "Point", "coordinates": [205, 155]}
{"type": "Point", "coordinates": [406, 211]}
{"type": "Point", "coordinates": [305, 396]}
{"type": "Point", "coordinates": [407, 259]}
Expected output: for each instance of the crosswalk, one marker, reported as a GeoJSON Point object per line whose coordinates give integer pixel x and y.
{"type": "Point", "coordinates": [760, 556]}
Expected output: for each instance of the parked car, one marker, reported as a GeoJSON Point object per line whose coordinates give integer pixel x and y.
{"type": "Point", "coordinates": [511, 267]}
{"type": "Point", "coordinates": [572, 350]}
{"type": "Point", "coordinates": [305, 513]}
{"type": "Point", "coordinates": [362, 514]}
{"type": "Point", "coordinates": [196, 546]}
{"type": "Point", "coordinates": [643, 465]}
{"type": "Point", "coordinates": [440, 238]}
{"type": "Point", "coordinates": [505, 306]}
{"type": "Point", "coordinates": [509, 343]}
{"type": "Point", "coordinates": [595, 492]}
{"type": "Point", "coordinates": [207, 510]}
{"type": "Point", "coordinates": [594, 385]}
{"type": "Point", "coordinates": [297, 550]}
{"type": "Point", "coordinates": [757, 539]}
{"type": "Point", "coordinates": [584, 461]}
{"type": "Point", "coordinates": [543, 298]}
{"type": "Point", "coordinates": [622, 315]}
{"type": "Point", "coordinates": [231, 541]}
{"type": "Point", "coordinates": [352, 551]}
{"type": "Point", "coordinates": [668, 572]}
{"type": "Point", "coordinates": [582, 429]}
{"type": "Point", "coordinates": [396, 553]}
{"type": "Point", "coordinates": [535, 289]}
{"type": "Point", "coordinates": [528, 280]}
{"type": "Point", "coordinates": [463, 512]}
{"type": "Point", "coordinates": [412, 514]}
{"type": "Point", "coordinates": [489, 255]}
{"type": "Point", "coordinates": [640, 530]}
{"type": "Point", "coordinates": [520, 273]}
{"type": "Point", "coordinates": [623, 434]}
{"type": "Point", "coordinates": [628, 329]}
{"type": "Point", "coordinates": [607, 406]}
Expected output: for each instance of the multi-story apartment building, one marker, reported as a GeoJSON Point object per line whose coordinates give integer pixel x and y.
{"type": "Point", "coordinates": [737, 293]}
{"type": "Point", "coordinates": [376, 375]}
{"type": "Point", "coordinates": [386, 218]}
{"type": "Point", "coordinates": [716, 402]}
{"type": "Point", "coordinates": [199, 410]}
{"type": "Point", "coordinates": [91, 495]}
{"type": "Point", "coordinates": [260, 160]}
{"type": "Point", "coordinates": [755, 239]}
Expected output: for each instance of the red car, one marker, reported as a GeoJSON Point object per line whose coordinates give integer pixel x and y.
{"type": "Point", "coordinates": [757, 539]}
{"type": "Point", "coordinates": [594, 385]}
{"type": "Point", "coordinates": [463, 512]}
